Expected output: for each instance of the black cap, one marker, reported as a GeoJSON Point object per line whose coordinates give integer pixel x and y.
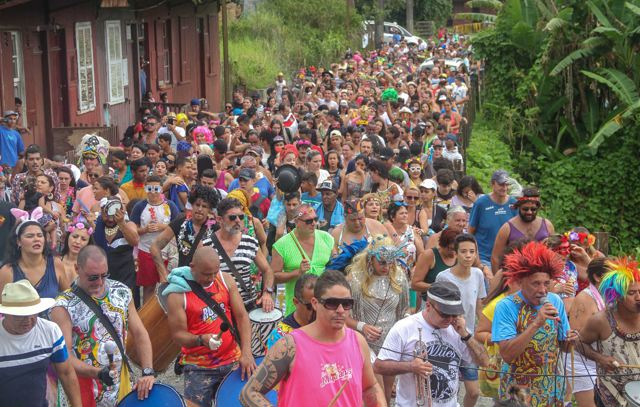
{"type": "Point", "coordinates": [447, 296]}
{"type": "Point", "coordinates": [386, 153]}
{"type": "Point", "coordinates": [328, 185]}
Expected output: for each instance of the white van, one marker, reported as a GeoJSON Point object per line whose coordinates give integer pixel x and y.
{"type": "Point", "coordinates": [390, 29]}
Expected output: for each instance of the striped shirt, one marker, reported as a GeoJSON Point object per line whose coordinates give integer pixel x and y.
{"type": "Point", "coordinates": [24, 360]}
{"type": "Point", "coordinates": [242, 259]}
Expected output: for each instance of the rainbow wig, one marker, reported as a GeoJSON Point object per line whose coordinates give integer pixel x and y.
{"type": "Point", "coordinates": [615, 283]}
{"type": "Point", "coordinates": [534, 257]}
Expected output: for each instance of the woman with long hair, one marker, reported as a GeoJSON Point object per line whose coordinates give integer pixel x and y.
{"type": "Point", "coordinates": [333, 166]}
{"type": "Point", "coordinates": [372, 206]}
{"type": "Point", "coordinates": [467, 192]}
{"type": "Point", "coordinates": [313, 163]}
{"type": "Point", "coordinates": [380, 291]}
{"type": "Point", "coordinates": [351, 187]}
{"type": "Point", "coordinates": [120, 164]}
{"type": "Point", "coordinates": [79, 234]}
{"type": "Point", "coordinates": [29, 257]}
{"type": "Point", "coordinates": [386, 189]}
{"type": "Point", "coordinates": [67, 188]}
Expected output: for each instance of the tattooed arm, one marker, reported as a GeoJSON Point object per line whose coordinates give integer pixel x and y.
{"type": "Point", "coordinates": [156, 252]}
{"type": "Point", "coordinates": [478, 352]}
{"type": "Point", "coordinates": [275, 367]}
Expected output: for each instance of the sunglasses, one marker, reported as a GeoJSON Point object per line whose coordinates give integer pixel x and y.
{"type": "Point", "coordinates": [152, 188]}
{"type": "Point", "coordinates": [150, 123]}
{"type": "Point", "coordinates": [228, 107]}
{"type": "Point", "coordinates": [532, 209]}
{"type": "Point", "coordinates": [332, 304]}
{"type": "Point", "coordinates": [307, 305]}
{"type": "Point", "coordinates": [93, 175]}
{"type": "Point", "coordinates": [399, 203]}
{"type": "Point", "coordinates": [234, 217]}
{"type": "Point", "coordinates": [438, 147]}
{"type": "Point", "coordinates": [96, 277]}
{"type": "Point", "coordinates": [411, 198]}
{"type": "Point", "coordinates": [441, 314]}
{"type": "Point", "coordinates": [310, 221]}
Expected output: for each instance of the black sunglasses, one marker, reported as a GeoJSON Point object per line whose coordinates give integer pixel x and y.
{"type": "Point", "coordinates": [332, 304]}
{"type": "Point", "coordinates": [234, 217]}
{"type": "Point", "coordinates": [310, 221]}
{"type": "Point", "coordinates": [442, 314]}
{"type": "Point", "coordinates": [534, 209]}
{"type": "Point", "coordinates": [307, 305]}
{"type": "Point", "coordinates": [95, 277]}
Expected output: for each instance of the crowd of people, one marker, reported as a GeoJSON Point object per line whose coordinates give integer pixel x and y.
{"type": "Point", "coordinates": [338, 201]}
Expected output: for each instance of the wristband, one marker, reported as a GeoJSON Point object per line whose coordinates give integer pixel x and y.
{"type": "Point", "coordinates": [360, 326]}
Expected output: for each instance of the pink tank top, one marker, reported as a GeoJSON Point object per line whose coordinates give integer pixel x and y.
{"type": "Point", "coordinates": [320, 370]}
{"type": "Point", "coordinates": [220, 181]}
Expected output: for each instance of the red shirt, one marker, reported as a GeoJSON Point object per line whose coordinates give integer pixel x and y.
{"type": "Point", "coordinates": [203, 320]}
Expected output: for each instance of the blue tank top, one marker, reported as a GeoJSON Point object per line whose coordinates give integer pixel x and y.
{"type": "Point", "coordinates": [47, 287]}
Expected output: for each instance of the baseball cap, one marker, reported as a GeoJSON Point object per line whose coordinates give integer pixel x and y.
{"type": "Point", "coordinates": [429, 184]}
{"type": "Point", "coordinates": [344, 103]}
{"type": "Point", "coordinates": [385, 153]}
{"type": "Point", "coordinates": [278, 138]}
{"type": "Point", "coordinates": [195, 102]}
{"type": "Point", "coordinates": [246, 173]}
{"type": "Point", "coordinates": [447, 296]}
{"type": "Point", "coordinates": [405, 109]}
{"type": "Point", "coordinates": [256, 150]}
{"type": "Point", "coordinates": [452, 137]}
{"type": "Point", "coordinates": [328, 185]}
{"type": "Point", "coordinates": [8, 113]}
{"type": "Point", "coordinates": [335, 133]}
{"type": "Point", "coordinates": [500, 177]}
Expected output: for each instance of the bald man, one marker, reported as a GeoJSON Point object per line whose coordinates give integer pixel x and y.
{"type": "Point", "coordinates": [207, 354]}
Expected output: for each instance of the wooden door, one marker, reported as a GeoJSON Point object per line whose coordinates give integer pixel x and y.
{"type": "Point", "coordinates": [58, 85]}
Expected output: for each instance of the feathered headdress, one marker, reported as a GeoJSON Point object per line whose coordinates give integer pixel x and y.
{"type": "Point", "coordinates": [347, 253]}
{"type": "Point", "coordinates": [93, 146]}
{"type": "Point", "coordinates": [533, 258]}
{"type": "Point", "coordinates": [615, 283]}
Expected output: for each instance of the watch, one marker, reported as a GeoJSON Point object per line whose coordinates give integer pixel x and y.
{"type": "Point", "coordinates": [148, 371]}
{"type": "Point", "coordinates": [269, 290]}
{"type": "Point", "coordinates": [466, 338]}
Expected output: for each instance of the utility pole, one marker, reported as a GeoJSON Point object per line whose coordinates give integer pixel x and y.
{"type": "Point", "coordinates": [225, 54]}
{"type": "Point", "coordinates": [410, 16]}
{"type": "Point", "coordinates": [379, 37]}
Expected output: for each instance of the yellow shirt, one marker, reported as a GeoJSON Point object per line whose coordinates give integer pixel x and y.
{"type": "Point", "coordinates": [134, 191]}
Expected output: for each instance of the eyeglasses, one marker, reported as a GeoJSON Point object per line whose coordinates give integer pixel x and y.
{"type": "Point", "coordinates": [152, 188]}
{"type": "Point", "coordinates": [234, 217]}
{"type": "Point", "coordinates": [228, 107]}
{"type": "Point", "coordinates": [441, 314]}
{"type": "Point", "coordinates": [150, 123]}
{"type": "Point", "coordinates": [93, 175]}
{"type": "Point", "coordinates": [96, 277]}
{"type": "Point", "coordinates": [411, 198]}
{"type": "Point", "coordinates": [310, 221]}
{"type": "Point", "coordinates": [332, 304]}
{"type": "Point", "coordinates": [532, 209]}
{"type": "Point", "coordinates": [438, 146]}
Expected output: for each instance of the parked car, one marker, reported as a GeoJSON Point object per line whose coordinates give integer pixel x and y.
{"type": "Point", "coordinates": [390, 29]}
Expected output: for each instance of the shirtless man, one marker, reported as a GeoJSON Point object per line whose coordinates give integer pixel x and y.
{"type": "Point", "coordinates": [356, 226]}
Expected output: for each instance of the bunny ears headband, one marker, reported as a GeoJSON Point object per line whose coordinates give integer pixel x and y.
{"type": "Point", "coordinates": [24, 218]}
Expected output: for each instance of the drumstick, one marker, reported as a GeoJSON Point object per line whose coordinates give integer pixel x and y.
{"type": "Point", "coordinates": [630, 366]}
{"type": "Point", "coordinates": [573, 372]}
{"type": "Point", "coordinates": [337, 396]}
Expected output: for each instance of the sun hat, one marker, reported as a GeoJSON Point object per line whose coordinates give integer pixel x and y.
{"type": "Point", "coordinates": [21, 299]}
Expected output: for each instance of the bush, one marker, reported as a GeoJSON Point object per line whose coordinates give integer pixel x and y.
{"type": "Point", "coordinates": [597, 192]}
{"type": "Point", "coordinates": [252, 63]}
{"type": "Point", "coordinates": [487, 152]}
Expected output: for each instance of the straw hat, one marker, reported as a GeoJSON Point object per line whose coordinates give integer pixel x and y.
{"type": "Point", "coordinates": [21, 299]}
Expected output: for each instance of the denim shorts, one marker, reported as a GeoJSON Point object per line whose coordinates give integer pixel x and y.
{"type": "Point", "coordinates": [201, 384]}
{"type": "Point", "coordinates": [468, 372]}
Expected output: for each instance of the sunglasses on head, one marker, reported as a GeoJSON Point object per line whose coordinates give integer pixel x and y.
{"type": "Point", "coordinates": [332, 304]}
{"type": "Point", "coordinates": [234, 217]}
{"type": "Point", "coordinates": [399, 203]}
{"type": "Point", "coordinates": [310, 221]}
{"type": "Point", "coordinates": [152, 188]}
{"type": "Point", "coordinates": [96, 277]}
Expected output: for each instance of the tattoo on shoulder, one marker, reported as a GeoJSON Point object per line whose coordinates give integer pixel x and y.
{"type": "Point", "coordinates": [273, 369]}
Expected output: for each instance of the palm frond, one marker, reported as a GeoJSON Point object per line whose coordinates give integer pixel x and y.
{"type": "Point", "coordinates": [602, 19]}
{"type": "Point", "coordinates": [570, 59]}
{"type": "Point", "coordinates": [486, 4]}
{"type": "Point", "coordinates": [480, 17]}
{"type": "Point", "coordinates": [633, 8]}
{"type": "Point", "coordinates": [611, 33]}
{"type": "Point", "coordinates": [555, 24]}
{"type": "Point", "coordinates": [606, 131]}
{"type": "Point", "coordinates": [618, 82]}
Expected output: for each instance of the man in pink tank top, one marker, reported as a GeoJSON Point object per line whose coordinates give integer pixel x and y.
{"type": "Point", "coordinates": [323, 363]}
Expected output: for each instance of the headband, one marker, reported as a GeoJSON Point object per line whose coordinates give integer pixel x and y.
{"type": "Point", "coordinates": [523, 199]}
{"type": "Point", "coordinates": [79, 226]}
{"type": "Point", "coordinates": [580, 237]}
{"type": "Point", "coordinates": [24, 218]}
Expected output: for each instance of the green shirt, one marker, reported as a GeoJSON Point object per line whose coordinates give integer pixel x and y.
{"type": "Point", "coordinates": [292, 257]}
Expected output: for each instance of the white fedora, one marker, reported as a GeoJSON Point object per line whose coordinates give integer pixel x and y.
{"type": "Point", "coordinates": [21, 299]}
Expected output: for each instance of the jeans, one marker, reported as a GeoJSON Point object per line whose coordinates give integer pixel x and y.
{"type": "Point", "coordinates": [201, 384]}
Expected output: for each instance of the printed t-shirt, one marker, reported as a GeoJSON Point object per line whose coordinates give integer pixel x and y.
{"type": "Point", "coordinates": [487, 217]}
{"type": "Point", "coordinates": [540, 357]}
{"type": "Point", "coordinates": [446, 353]}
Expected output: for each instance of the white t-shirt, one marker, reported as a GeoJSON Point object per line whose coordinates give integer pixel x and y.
{"type": "Point", "coordinates": [162, 215]}
{"type": "Point", "coordinates": [471, 290]}
{"type": "Point", "coordinates": [446, 351]}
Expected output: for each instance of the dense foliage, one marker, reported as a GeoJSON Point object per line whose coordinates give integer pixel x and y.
{"type": "Point", "coordinates": [284, 35]}
{"type": "Point", "coordinates": [561, 88]}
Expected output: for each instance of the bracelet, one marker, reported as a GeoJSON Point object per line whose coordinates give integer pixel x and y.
{"type": "Point", "coordinates": [360, 326]}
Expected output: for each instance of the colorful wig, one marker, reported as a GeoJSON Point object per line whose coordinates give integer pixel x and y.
{"type": "Point", "coordinates": [534, 257]}
{"type": "Point", "coordinates": [615, 284]}
{"type": "Point", "coordinates": [205, 131]}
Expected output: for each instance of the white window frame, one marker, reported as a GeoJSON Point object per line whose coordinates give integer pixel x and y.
{"type": "Point", "coordinates": [84, 56]}
{"type": "Point", "coordinates": [18, 80]}
{"type": "Point", "coordinates": [116, 81]}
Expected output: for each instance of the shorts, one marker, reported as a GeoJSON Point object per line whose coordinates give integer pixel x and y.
{"type": "Point", "coordinates": [587, 369]}
{"type": "Point", "coordinates": [468, 372]}
{"type": "Point", "coordinates": [201, 384]}
{"type": "Point", "coordinates": [147, 274]}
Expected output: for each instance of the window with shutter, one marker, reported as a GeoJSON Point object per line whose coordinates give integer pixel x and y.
{"type": "Point", "coordinates": [115, 72]}
{"type": "Point", "coordinates": [163, 52]}
{"type": "Point", "coordinates": [86, 82]}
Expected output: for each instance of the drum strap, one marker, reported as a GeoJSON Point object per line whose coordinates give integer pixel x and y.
{"type": "Point", "coordinates": [95, 308]}
{"type": "Point", "coordinates": [214, 305]}
{"type": "Point", "coordinates": [227, 260]}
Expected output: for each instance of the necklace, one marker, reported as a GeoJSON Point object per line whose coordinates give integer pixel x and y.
{"type": "Point", "coordinates": [111, 231]}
